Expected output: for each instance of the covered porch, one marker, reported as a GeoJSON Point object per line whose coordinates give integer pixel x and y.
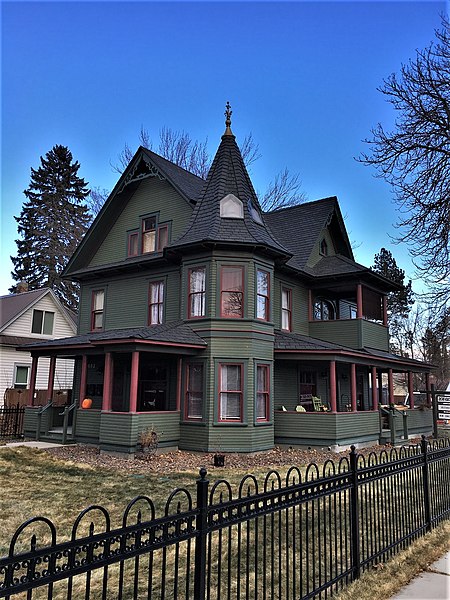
{"type": "Point", "coordinates": [125, 382]}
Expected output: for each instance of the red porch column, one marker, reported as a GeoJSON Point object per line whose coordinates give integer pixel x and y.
{"type": "Point", "coordinates": [179, 377]}
{"type": "Point", "coordinates": [411, 389]}
{"type": "Point", "coordinates": [134, 381]}
{"type": "Point", "coordinates": [353, 386]}
{"type": "Point", "coordinates": [428, 387]}
{"type": "Point", "coordinates": [310, 307]}
{"type": "Point", "coordinates": [380, 387]}
{"type": "Point", "coordinates": [391, 386]}
{"type": "Point", "coordinates": [51, 378]}
{"type": "Point", "coordinates": [333, 402]}
{"type": "Point", "coordinates": [107, 381]}
{"type": "Point", "coordinates": [83, 378]}
{"type": "Point", "coordinates": [374, 389]}
{"type": "Point", "coordinates": [33, 374]}
{"type": "Point", "coordinates": [385, 316]}
{"type": "Point", "coordinates": [359, 302]}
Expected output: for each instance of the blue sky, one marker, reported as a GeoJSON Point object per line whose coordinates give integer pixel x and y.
{"type": "Point", "coordinates": [301, 76]}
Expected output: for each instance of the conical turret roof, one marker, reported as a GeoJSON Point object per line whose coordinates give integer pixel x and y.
{"type": "Point", "coordinates": [228, 176]}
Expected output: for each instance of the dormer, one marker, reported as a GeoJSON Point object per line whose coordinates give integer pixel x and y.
{"type": "Point", "coordinates": [231, 207]}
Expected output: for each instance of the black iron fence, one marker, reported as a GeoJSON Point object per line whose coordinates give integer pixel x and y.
{"type": "Point", "coordinates": [304, 535]}
{"type": "Point", "coordinates": [11, 421]}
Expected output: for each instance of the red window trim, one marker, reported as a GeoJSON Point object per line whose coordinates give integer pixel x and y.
{"type": "Point", "coordinates": [220, 392]}
{"type": "Point", "coordinates": [186, 392]}
{"type": "Point", "coordinates": [131, 235]}
{"type": "Point", "coordinates": [267, 298]}
{"type": "Point", "coordinates": [160, 302]}
{"type": "Point", "coordinates": [189, 294]}
{"type": "Point", "coordinates": [288, 309]}
{"type": "Point", "coordinates": [266, 392]}
{"type": "Point", "coordinates": [94, 312]}
{"type": "Point", "coordinates": [222, 267]}
{"type": "Point", "coordinates": [158, 230]}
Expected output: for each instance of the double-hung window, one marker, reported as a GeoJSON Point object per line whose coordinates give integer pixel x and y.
{"type": "Point", "coordinates": [262, 295]}
{"type": "Point", "coordinates": [133, 243]}
{"type": "Point", "coordinates": [149, 235]}
{"type": "Point", "coordinates": [98, 303]}
{"type": "Point", "coordinates": [42, 322]}
{"type": "Point", "coordinates": [262, 392]}
{"type": "Point", "coordinates": [194, 391]}
{"type": "Point", "coordinates": [197, 292]}
{"type": "Point", "coordinates": [21, 376]}
{"type": "Point", "coordinates": [156, 303]}
{"type": "Point", "coordinates": [231, 292]}
{"type": "Point", "coordinates": [286, 309]}
{"type": "Point", "coordinates": [230, 392]}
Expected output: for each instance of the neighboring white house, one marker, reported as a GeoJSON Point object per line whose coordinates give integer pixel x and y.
{"type": "Point", "coordinates": [25, 318]}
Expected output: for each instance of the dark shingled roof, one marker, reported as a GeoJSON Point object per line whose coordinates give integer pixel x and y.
{"type": "Point", "coordinates": [228, 175]}
{"type": "Point", "coordinates": [15, 340]}
{"type": "Point", "coordinates": [298, 227]}
{"type": "Point", "coordinates": [301, 343]}
{"type": "Point", "coordinates": [335, 265]}
{"type": "Point", "coordinates": [191, 185]}
{"type": "Point", "coordinates": [168, 333]}
{"type": "Point", "coordinates": [14, 304]}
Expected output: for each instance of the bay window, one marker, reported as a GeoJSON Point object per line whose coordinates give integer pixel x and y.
{"type": "Point", "coordinates": [156, 303]}
{"type": "Point", "coordinates": [231, 292]}
{"type": "Point", "coordinates": [197, 292]}
{"type": "Point", "coordinates": [230, 392]}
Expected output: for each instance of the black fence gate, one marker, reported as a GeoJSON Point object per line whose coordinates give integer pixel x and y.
{"type": "Point", "coordinates": [11, 421]}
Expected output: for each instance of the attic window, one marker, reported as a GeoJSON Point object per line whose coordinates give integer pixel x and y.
{"type": "Point", "coordinates": [231, 207]}
{"type": "Point", "coordinates": [254, 213]}
{"type": "Point", "coordinates": [324, 248]}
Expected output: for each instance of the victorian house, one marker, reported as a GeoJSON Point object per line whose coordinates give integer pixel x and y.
{"type": "Point", "coordinates": [222, 326]}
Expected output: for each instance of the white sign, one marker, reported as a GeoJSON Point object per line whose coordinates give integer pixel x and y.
{"type": "Point", "coordinates": [443, 398]}
{"type": "Point", "coordinates": [444, 416]}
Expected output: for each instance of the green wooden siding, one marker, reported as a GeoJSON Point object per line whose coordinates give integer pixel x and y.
{"type": "Point", "coordinates": [152, 196]}
{"type": "Point", "coordinates": [315, 254]}
{"type": "Point", "coordinates": [355, 333]}
{"type": "Point", "coordinates": [299, 303]}
{"type": "Point", "coordinates": [30, 421]}
{"type": "Point", "coordinates": [374, 335]}
{"type": "Point", "coordinates": [87, 429]}
{"type": "Point", "coordinates": [322, 429]}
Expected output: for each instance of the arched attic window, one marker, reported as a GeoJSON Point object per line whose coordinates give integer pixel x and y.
{"type": "Point", "coordinates": [231, 207]}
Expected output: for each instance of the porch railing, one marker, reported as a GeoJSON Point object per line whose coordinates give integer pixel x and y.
{"type": "Point", "coordinates": [66, 414]}
{"type": "Point", "coordinates": [41, 411]}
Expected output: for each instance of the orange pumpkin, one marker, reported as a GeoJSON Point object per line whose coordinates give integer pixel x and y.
{"type": "Point", "coordinates": [87, 403]}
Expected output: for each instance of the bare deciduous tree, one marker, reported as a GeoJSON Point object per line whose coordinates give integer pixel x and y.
{"type": "Point", "coordinates": [415, 157]}
{"type": "Point", "coordinates": [284, 190]}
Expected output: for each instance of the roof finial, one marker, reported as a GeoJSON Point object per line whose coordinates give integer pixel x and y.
{"type": "Point", "coordinates": [228, 112]}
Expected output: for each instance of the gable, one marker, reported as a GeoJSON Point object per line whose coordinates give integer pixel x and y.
{"type": "Point", "coordinates": [62, 325]}
{"type": "Point", "coordinates": [154, 197]}
{"type": "Point", "coordinates": [334, 239]}
{"type": "Point", "coordinates": [145, 167]}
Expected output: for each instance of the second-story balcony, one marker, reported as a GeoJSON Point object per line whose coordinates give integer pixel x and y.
{"type": "Point", "coordinates": [354, 333]}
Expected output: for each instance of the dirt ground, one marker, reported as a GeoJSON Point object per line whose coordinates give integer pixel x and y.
{"type": "Point", "coordinates": [181, 461]}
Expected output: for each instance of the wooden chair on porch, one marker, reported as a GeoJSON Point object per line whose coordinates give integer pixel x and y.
{"type": "Point", "coordinates": [318, 405]}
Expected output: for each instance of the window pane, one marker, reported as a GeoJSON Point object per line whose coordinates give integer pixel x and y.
{"type": "Point", "coordinates": [230, 406]}
{"type": "Point", "coordinates": [262, 307]}
{"type": "Point", "coordinates": [197, 307]}
{"type": "Point", "coordinates": [99, 299]}
{"type": "Point", "coordinates": [261, 406]}
{"type": "Point", "coordinates": [232, 304]}
{"type": "Point", "coordinates": [263, 283]}
{"type": "Point", "coordinates": [197, 280]}
{"type": "Point", "coordinates": [195, 391]}
{"type": "Point", "coordinates": [48, 322]}
{"type": "Point", "coordinates": [133, 244]}
{"type": "Point", "coordinates": [163, 235]}
{"type": "Point", "coordinates": [232, 279]}
{"type": "Point", "coordinates": [231, 377]}
{"type": "Point", "coordinates": [148, 241]}
{"type": "Point", "coordinates": [285, 299]}
{"type": "Point", "coordinates": [98, 320]}
{"type": "Point", "coordinates": [285, 320]}
{"type": "Point", "coordinates": [21, 375]}
{"type": "Point", "coordinates": [38, 316]}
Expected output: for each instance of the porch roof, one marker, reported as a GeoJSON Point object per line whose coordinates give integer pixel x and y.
{"type": "Point", "coordinates": [167, 334]}
{"type": "Point", "coordinates": [302, 344]}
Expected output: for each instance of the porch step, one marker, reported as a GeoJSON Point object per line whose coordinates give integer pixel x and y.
{"type": "Point", "coordinates": [55, 435]}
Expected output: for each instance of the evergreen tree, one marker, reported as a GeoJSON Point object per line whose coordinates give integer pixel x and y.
{"type": "Point", "coordinates": [51, 224]}
{"type": "Point", "coordinates": [400, 301]}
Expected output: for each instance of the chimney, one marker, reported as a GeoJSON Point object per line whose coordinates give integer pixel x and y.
{"type": "Point", "coordinates": [22, 287]}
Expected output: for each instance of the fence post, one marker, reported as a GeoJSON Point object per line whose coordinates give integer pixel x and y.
{"type": "Point", "coordinates": [354, 515]}
{"type": "Point", "coordinates": [426, 483]}
{"type": "Point", "coordinates": [392, 424]}
{"type": "Point", "coordinates": [434, 406]}
{"type": "Point", "coordinates": [200, 542]}
{"type": "Point", "coordinates": [405, 424]}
